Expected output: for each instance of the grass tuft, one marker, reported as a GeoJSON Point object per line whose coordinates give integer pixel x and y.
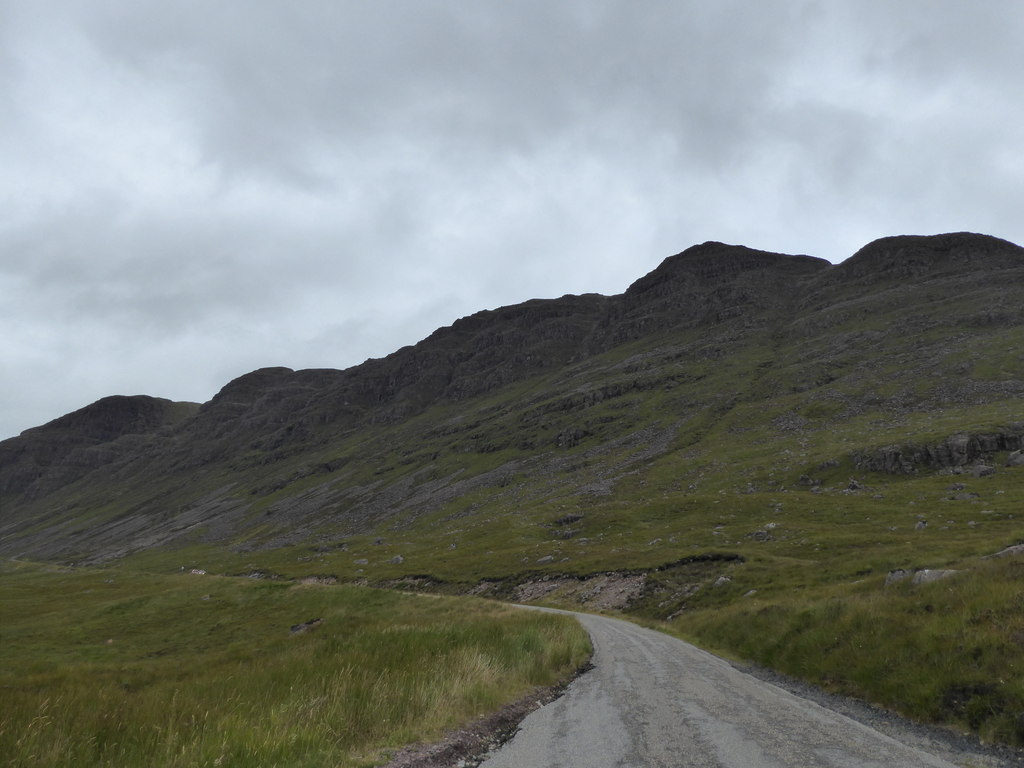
{"type": "Point", "coordinates": [113, 668]}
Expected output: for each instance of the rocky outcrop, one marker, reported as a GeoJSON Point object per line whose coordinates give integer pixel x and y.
{"type": "Point", "coordinates": [306, 626]}
{"type": "Point", "coordinates": [904, 260]}
{"type": "Point", "coordinates": [112, 429]}
{"type": "Point", "coordinates": [710, 286]}
{"type": "Point", "coordinates": [959, 450]}
{"type": "Point", "coordinates": [1013, 550]}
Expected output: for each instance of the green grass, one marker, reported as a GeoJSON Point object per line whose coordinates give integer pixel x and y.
{"type": "Point", "coordinates": [949, 652]}
{"type": "Point", "coordinates": [120, 668]}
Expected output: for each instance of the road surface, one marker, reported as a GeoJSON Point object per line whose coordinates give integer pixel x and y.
{"type": "Point", "coordinates": [654, 701]}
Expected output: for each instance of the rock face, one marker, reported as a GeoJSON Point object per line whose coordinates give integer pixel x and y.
{"type": "Point", "coordinates": [540, 381]}
{"type": "Point", "coordinates": [960, 450]}
{"type": "Point", "coordinates": [711, 284]}
{"type": "Point", "coordinates": [905, 258]}
{"type": "Point", "coordinates": [62, 451]}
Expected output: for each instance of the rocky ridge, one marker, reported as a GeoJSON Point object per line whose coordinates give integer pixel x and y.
{"type": "Point", "coordinates": [901, 326]}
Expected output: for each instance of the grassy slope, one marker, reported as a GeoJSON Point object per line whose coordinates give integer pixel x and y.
{"type": "Point", "coordinates": [947, 652]}
{"type": "Point", "coordinates": [119, 668]}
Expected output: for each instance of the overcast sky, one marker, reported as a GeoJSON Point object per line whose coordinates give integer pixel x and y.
{"type": "Point", "coordinates": [198, 188]}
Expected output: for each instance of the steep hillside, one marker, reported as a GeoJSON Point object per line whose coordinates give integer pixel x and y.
{"type": "Point", "coordinates": [722, 355]}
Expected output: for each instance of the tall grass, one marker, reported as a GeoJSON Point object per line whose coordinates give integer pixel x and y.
{"type": "Point", "coordinates": [949, 652]}
{"type": "Point", "coordinates": [117, 669]}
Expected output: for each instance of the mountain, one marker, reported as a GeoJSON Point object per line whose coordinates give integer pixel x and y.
{"type": "Point", "coordinates": [736, 367]}
{"type": "Point", "coordinates": [814, 467]}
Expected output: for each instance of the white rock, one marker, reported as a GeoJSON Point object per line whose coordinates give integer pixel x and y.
{"type": "Point", "coordinates": [927, 576]}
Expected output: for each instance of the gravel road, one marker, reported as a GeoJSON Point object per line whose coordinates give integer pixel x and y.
{"type": "Point", "coordinates": [652, 701]}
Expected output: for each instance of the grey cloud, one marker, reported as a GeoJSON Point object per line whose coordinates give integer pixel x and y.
{"type": "Point", "coordinates": [195, 189]}
{"type": "Point", "coordinates": [504, 78]}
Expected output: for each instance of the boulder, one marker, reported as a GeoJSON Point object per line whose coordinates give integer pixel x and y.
{"type": "Point", "coordinates": [1016, 549]}
{"type": "Point", "coordinates": [895, 577]}
{"type": "Point", "coordinates": [926, 576]}
{"type": "Point", "coordinates": [923, 576]}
